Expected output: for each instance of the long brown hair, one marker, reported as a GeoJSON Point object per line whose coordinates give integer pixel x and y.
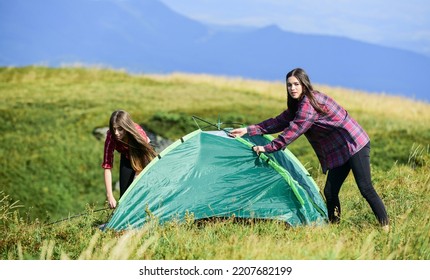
{"type": "Point", "coordinates": [304, 80]}
{"type": "Point", "coordinates": [141, 152]}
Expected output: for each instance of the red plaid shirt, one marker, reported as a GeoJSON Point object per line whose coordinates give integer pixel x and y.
{"type": "Point", "coordinates": [335, 137]}
{"type": "Point", "coordinates": [111, 144]}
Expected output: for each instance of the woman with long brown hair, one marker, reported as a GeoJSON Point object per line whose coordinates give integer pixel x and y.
{"type": "Point", "coordinates": [339, 142]}
{"type": "Point", "coordinates": [131, 141]}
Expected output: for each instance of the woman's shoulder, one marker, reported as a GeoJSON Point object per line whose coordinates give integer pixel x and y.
{"type": "Point", "coordinates": [318, 94]}
{"type": "Point", "coordinates": [108, 135]}
{"type": "Point", "coordinates": [323, 98]}
{"type": "Point", "coordinates": [110, 140]}
{"type": "Point", "coordinates": [142, 132]}
{"type": "Point", "coordinates": [139, 128]}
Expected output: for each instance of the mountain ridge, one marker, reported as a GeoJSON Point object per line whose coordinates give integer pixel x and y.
{"type": "Point", "coordinates": [147, 36]}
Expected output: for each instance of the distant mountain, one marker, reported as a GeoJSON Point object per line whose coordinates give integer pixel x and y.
{"type": "Point", "coordinates": [146, 36]}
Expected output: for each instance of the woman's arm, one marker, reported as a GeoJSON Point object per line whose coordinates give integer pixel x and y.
{"type": "Point", "coordinates": [108, 185]}
{"type": "Point", "coordinates": [305, 117]}
{"type": "Point", "coordinates": [268, 126]}
{"type": "Point", "coordinates": [272, 125]}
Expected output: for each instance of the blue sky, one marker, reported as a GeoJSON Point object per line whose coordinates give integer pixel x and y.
{"type": "Point", "coordinates": [399, 24]}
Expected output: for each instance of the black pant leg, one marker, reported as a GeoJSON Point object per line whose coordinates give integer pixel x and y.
{"type": "Point", "coordinates": [360, 165]}
{"type": "Point", "coordinates": [335, 179]}
{"type": "Point", "coordinates": [126, 174]}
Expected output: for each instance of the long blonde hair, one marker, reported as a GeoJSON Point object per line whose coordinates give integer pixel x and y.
{"type": "Point", "coordinates": [141, 152]}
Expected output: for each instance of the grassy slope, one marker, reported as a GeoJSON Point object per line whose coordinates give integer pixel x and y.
{"type": "Point", "coordinates": [51, 166]}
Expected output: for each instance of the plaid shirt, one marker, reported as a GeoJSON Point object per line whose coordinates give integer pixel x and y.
{"type": "Point", "coordinates": [111, 144]}
{"type": "Point", "coordinates": [335, 137]}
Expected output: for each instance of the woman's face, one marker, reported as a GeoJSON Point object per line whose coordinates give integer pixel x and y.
{"type": "Point", "coordinates": [294, 87]}
{"type": "Point", "coordinates": [119, 132]}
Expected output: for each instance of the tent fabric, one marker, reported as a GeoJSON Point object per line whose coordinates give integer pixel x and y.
{"type": "Point", "coordinates": [208, 174]}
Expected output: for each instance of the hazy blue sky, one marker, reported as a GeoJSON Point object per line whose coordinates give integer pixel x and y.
{"type": "Point", "coordinates": [403, 24]}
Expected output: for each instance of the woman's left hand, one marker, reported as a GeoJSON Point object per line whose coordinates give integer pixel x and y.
{"type": "Point", "coordinates": [258, 149]}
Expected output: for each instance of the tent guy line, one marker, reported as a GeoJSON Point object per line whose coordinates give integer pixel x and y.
{"type": "Point", "coordinates": [76, 216]}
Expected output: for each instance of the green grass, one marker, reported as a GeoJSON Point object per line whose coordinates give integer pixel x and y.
{"type": "Point", "coordinates": [51, 169]}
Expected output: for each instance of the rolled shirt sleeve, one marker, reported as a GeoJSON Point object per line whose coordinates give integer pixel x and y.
{"type": "Point", "coordinates": [109, 149]}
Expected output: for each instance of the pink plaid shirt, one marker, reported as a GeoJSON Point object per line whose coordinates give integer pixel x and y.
{"type": "Point", "coordinates": [335, 137]}
{"type": "Point", "coordinates": [111, 144]}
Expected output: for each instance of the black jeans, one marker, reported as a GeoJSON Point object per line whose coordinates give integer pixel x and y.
{"type": "Point", "coordinates": [126, 174]}
{"type": "Point", "coordinates": [359, 163]}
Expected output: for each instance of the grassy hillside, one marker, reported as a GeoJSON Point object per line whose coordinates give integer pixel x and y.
{"type": "Point", "coordinates": [51, 167]}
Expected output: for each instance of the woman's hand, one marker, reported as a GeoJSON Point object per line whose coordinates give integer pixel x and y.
{"type": "Point", "coordinates": [111, 202]}
{"type": "Point", "coordinates": [238, 132]}
{"type": "Point", "coordinates": [259, 149]}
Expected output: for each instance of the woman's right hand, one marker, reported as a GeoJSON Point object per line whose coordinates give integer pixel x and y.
{"type": "Point", "coordinates": [112, 202]}
{"type": "Point", "coordinates": [238, 132]}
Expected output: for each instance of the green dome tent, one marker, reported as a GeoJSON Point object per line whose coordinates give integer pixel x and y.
{"type": "Point", "coordinates": [209, 174]}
